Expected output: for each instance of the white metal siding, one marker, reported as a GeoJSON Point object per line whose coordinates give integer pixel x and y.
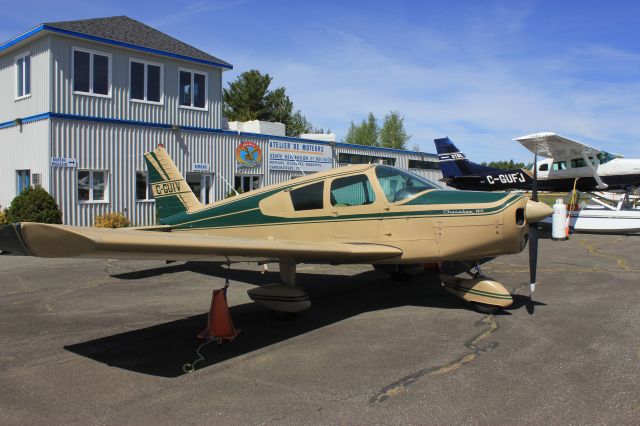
{"type": "Point", "coordinates": [23, 148]}
{"type": "Point", "coordinates": [119, 105]}
{"type": "Point", "coordinates": [38, 102]}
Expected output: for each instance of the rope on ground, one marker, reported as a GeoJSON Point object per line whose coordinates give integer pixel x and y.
{"type": "Point", "coordinates": [191, 367]}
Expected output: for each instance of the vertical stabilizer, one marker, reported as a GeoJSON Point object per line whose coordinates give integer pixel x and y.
{"type": "Point", "coordinates": [454, 163]}
{"type": "Point", "coordinates": [170, 189]}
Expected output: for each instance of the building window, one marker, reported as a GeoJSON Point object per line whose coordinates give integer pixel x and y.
{"type": "Point", "coordinates": [145, 81]}
{"type": "Point", "coordinates": [246, 183]}
{"type": "Point", "coordinates": [143, 187]}
{"type": "Point", "coordinates": [425, 165]}
{"type": "Point", "coordinates": [201, 184]}
{"type": "Point", "coordinates": [308, 197]}
{"type": "Point", "coordinates": [23, 76]}
{"type": "Point", "coordinates": [91, 73]}
{"type": "Point", "coordinates": [344, 158]}
{"type": "Point", "coordinates": [352, 191]}
{"type": "Point", "coordinates": [193, 89]}
{"type": "Point", "coordinates": [92, 185]}
{"type": "Point", "coordinates": [23, 180]}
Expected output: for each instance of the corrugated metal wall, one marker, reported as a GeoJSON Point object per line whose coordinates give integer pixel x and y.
{"type": "Point", "coordinates": [402, 159]}
{"type": "Point", "coordinates": [38, 102]}
{"type": "Point", "coordinates": [23, 148]}
{"type": "Point", "coordinates": [119, 150]}
{"type": "Point", "coordinates": [119, 106]}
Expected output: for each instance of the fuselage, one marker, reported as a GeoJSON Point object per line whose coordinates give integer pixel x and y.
{"type": "Point", "coordinates": [370, 204]}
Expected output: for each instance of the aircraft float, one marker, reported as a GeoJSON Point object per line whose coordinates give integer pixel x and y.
{"type": "Point", "coordinates": [570, 165]}
{"type": "Point", "coordinates": [366, 214]}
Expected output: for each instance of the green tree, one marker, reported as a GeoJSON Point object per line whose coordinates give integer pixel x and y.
{"type": "Point", "coordinates": [366, 133]}
{"type": "Point", "coordinates": [34, 205]}
{"type": "Point", "coordinates": [393, 134]}
{"type": "Point", "coordinates": [505, 165]}
{"type": "Point", "coordinates": [249, 98]}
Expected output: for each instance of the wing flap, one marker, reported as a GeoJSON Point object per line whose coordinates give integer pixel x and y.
{"type": "Point", "coordinates": [43, 240]}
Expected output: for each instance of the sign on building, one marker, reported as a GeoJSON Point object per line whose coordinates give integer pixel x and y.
{"type": "Point", "coordinates": [299, 156]}
{"type": "Point", "coordinates": [200, 167]}
{"type": "Point", "coordinates": [63, 162]}
{"type": "Point", "coordinates": [248, 156]}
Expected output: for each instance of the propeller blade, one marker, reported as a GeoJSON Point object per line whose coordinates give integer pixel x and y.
{"type": "Point", "coordinates": [533, 255]}
{"type": "Point", "coordinates": [533, 230]}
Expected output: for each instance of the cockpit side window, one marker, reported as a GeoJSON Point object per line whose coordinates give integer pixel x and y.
{"type": "Point", "coordinates": [398, 184]}
{"type": "Point", "coordinates": [352, 191]}
{"type": "Point", "coordinates": [605, 157]}
{"type": "Point", "coordinates": [560, 165]}
{"type": "Point", "coordinates": [308, 197]}
{"type": "Point", "coordinates": [544, 167]}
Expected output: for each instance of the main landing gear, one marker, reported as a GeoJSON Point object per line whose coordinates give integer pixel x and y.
{"type": "Point", "coordinates": [283, 300]}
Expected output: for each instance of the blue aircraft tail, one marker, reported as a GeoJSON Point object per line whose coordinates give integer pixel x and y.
{"type": "Point", "coordinates": [453, 163]}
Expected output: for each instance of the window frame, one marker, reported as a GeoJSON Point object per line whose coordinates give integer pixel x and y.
{"type": "Point", "coordinates": [91, 53]}
{"type": "Point", "coordinates": [91, 199]}
{"type": "Point", "coordinates": [149, 191]}
{"type": "Point", "coordinates": [206, 89]}
{"type": "Point", "coordinates": [146, 80]}
{"type": "Point", "coordinates": [24, 76]}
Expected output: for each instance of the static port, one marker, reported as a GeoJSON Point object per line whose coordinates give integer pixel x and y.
{"type": "Point", "coordinates": [519, 217]}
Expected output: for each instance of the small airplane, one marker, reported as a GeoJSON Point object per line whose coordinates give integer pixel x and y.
{"type": "Point", "coordinates": [567, 160]}
{"type": "Point", "coordinates": [365, 214]}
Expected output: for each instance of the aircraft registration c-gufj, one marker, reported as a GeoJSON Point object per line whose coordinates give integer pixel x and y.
{"type": "Point", "coordinates": [368, 214]}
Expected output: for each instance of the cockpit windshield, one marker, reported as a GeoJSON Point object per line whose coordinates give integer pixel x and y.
{"type": "Point", "coordinates": [605, 157]}
{"type": "Point", "coordinates": [398, 184]}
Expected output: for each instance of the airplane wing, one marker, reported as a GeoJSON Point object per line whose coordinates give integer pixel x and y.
{"type": "Point", "coordinates": [552, 145]}
{"type": "Point", "coordinates": [43, 240]}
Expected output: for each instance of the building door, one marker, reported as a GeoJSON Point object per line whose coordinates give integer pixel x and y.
{"type": "Point", "coordinates": [202, 186]}
{"type": "Point", "coordinates": [23, 180]}
{"type": "Point", "coordinates": [246, 183]}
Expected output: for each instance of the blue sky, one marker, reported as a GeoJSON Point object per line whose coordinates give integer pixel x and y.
{"type": "Point", "coordinates": [480, 72]}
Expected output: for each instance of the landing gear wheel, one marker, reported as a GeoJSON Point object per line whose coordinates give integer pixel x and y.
{"type": "Point", "coordinates": [485, 309]}
{"type": "Point", "coordinates": [282, 315]}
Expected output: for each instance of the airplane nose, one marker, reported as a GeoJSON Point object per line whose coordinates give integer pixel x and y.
{"type": "Point", "coordinates": [536, 211]}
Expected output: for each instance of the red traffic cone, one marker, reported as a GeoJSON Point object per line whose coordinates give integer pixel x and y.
{"type": "Point", "coordinates": [219, 322]}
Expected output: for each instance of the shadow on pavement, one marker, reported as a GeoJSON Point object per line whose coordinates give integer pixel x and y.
{"type": "Point", "coordinates": [163, 349]}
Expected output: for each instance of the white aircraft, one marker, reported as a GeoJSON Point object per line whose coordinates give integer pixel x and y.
{"type": "Point", "coordinates": [568, 159]}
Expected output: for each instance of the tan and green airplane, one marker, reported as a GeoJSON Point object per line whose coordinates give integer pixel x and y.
{"type": "Point", "coordinates": [366, 214]}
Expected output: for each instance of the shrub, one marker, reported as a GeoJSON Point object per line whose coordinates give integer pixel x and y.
{"type": "Point", "coordinates": [3, 217]}
{"type": "Point", "coordinates": [112, 220]}
{"type": "Point", "coordinates": [34, 204]}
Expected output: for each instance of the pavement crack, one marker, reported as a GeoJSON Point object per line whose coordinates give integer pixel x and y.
{"type": "Point", "coordinates": [400, 386]}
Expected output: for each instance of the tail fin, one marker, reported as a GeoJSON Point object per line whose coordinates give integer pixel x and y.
{"type": "Point", "coordinates": [453, 163]}
{"type": "Point", "coordinates": [170, 189]}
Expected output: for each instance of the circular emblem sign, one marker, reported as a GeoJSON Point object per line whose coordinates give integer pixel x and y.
{"type": "Point", "coordinates": [248, 154]}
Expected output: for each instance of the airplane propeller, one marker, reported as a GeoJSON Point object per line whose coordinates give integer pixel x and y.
{"type": "Point", "coordinates": [533, 230]}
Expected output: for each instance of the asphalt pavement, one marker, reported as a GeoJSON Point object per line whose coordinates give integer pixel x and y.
{"type": "Point", "coordinates": [106, 342]}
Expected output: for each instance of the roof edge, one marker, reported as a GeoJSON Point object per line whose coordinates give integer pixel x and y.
{"type": "Point", "coordinates": [43, 27]}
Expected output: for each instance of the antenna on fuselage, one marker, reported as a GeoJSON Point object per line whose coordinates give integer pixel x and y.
{"type": "Point", "coordinates": [297, 164]}
{"type": "Point", "coordinates": [228, 184]}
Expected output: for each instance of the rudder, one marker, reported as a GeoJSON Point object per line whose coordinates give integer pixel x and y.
{"type": "Point", "coordinates": [170, 190]}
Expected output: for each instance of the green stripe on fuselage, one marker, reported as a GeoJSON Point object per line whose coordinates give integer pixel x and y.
{"type": "Point", "coordinates": [246, 212]}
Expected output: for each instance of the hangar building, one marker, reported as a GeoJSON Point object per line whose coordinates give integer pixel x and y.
{"type": "Point", "coordinates": [83, 100]}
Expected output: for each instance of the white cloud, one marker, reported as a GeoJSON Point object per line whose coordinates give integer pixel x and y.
{"type": "Point", "coordinates": [480, 93]}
